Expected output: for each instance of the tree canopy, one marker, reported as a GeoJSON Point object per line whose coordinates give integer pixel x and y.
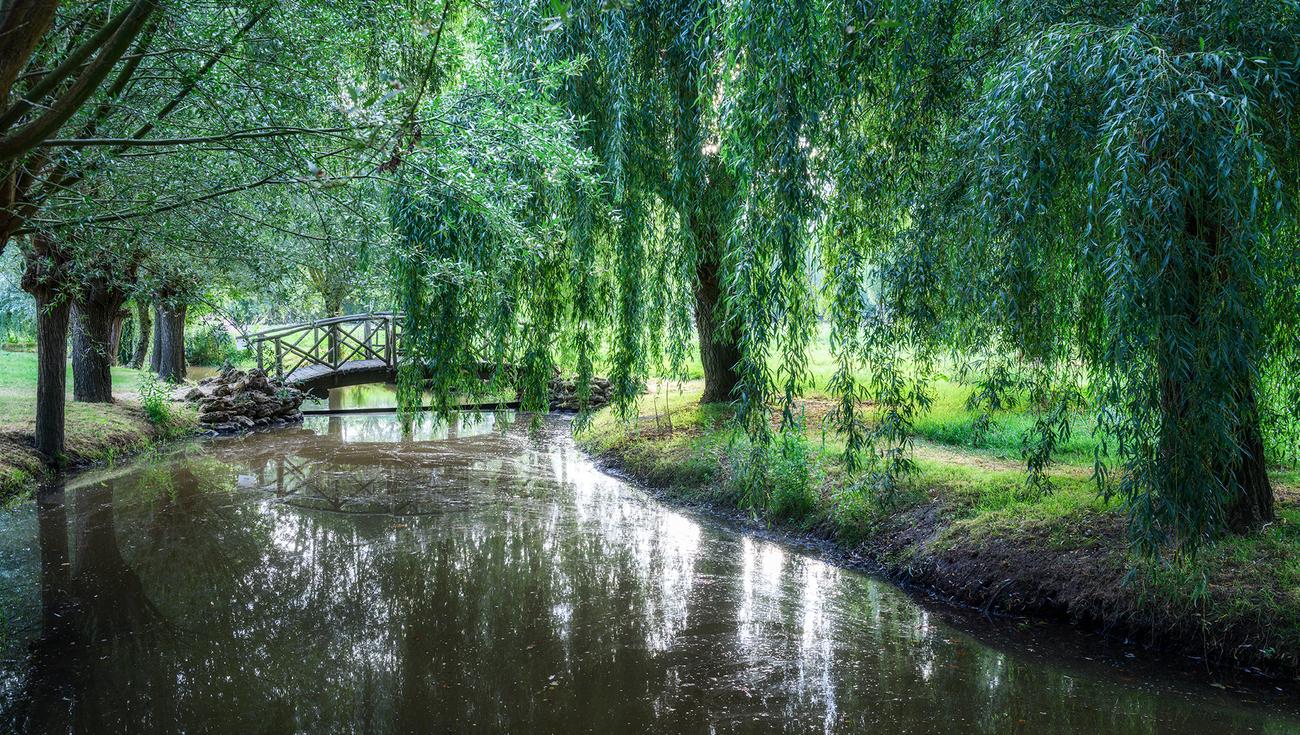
{"type": "Point", "coordinates": [1086, 208]}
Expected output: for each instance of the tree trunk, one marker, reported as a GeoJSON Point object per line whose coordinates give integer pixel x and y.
{"type": "Point", "coordinates": [92, 358]}
{"type": "Point", "coordinates": [719, 349]}
{"type": "Point", "coordinates": [45, 277]}
{"type": "Point", "coordinates": [333, 304]}
{"type": "Point", "coordinates": [51, 373]}
{"type": "Point", "coordinates": [1246, 475]}
{"type": "Point", "coordinates": [719, 352]}
{"type": "Point", "coordinates": [1252, 507]}
{"type": "Point", "coordinates": [96, 313]}
{"type": "Point", "coordinates": [115, 336]}
{"type": "Point", "coordinates": [156, 352]}
{"type": "Point", "coordinates": [145, 324]}
{"type": "Point", "coordinates": [171, 343]}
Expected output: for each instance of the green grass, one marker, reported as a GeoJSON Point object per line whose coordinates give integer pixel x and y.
{"type": "Point", "coordinates": [94, 432]}
{"type": "Point", "coordinates": [949, 421]}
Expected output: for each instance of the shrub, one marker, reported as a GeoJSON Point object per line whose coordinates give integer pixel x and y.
{"type": "Point", "coordinates": [780, 479]}
{"type": "Point", "coordinates": [153, 398]}
{"type": "Point", "coordinates": [210, 344]}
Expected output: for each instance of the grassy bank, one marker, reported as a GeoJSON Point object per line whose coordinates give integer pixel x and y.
{"type": "Point", "coordinates": [966, 525]}
{"type": "Point", "coordinates": [96, 432]}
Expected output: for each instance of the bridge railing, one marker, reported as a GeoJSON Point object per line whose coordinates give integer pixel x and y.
{"type": "Point", "coordinates": [328, 342]}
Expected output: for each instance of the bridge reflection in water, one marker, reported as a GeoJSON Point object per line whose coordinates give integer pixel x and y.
{"type": "Point", "coordinates": [483, 578]}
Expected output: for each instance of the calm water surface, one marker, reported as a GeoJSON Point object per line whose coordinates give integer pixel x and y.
{"type": "Point", "coordinates": [482, 578]}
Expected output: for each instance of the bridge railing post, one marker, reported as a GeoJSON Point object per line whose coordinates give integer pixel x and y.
{"type": "Point", "coordinates": [390, 342]}
{"type": "Point", "coordinates": [333, 355]}
{"type": "Point", "coordinates": [329, 343]}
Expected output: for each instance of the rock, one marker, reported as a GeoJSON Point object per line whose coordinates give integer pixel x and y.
{"type": "Point", "coordinates": [237, 401]}
{"type": "Point", "coordinates": [564, 393]}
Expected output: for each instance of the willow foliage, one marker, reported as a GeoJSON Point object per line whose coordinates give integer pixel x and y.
{"type": "Point", "coordinates": [707, 118]}
{"type": "Point", "coordinates": [1110, 222]}
{"type": "Point", "coordinates": [1088, 204]}
{"type": "Point", "coordinates": [642, 97]}
{"type": "Point", "coordinates": [493, 275]}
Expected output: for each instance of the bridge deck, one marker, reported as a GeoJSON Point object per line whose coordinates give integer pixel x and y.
{"type": "Point", "coordinates": [351, 372]}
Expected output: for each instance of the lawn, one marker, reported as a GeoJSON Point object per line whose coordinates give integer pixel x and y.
{"type": "Point", "coordinates": [95, 432]}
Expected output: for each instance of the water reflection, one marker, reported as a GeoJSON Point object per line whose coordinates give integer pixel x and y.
{"type": "Point", "coordinates": [371, 395]}
{"type": "Point", "coordinates": [481, 578]}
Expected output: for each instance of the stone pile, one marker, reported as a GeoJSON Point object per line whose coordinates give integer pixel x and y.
{"type": "Point", "coordinates": [564, 393]}
{"type": "Point", "coordinates": [235, 401]}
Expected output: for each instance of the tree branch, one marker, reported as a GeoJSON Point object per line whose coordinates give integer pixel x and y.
{"type": "Point", "coordinates": [175, 102]}
{"type": "Point", "coordinates": [74, 61]}
{"type": "Point", "coordinates": [196, 140]}
{"type": "Point", "coordinates": [25, 21]}
{"type": "Point", "coordinates": [28, 137]}
{"type": "Point", "coordinates": [271, 180]}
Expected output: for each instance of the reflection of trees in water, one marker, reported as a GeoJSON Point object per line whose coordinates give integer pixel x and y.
{"type": "Point", "coordinates": [94, 664]}
{"type": "Point", "coordinates": [524, 592]}
{"type": "Point", "coordinates": [382, 428]}
{"type": "Point", "coordinates": [341, 472]}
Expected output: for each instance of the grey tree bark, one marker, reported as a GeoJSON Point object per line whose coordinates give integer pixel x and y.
{"type": "Point", "coordinates": [170, 342]}
{"type": "Point", "coordinates": [94, 316]}
{"type": "Point", "coordinates": [45, 277]}
{"type": "Point", "coordinates": [144, 319]}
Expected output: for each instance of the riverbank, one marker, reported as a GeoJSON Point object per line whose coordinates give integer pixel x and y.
{"type": "Point", "coordinates": [965, 526]}
{"type": "Point", "coordinates": [96, 432]}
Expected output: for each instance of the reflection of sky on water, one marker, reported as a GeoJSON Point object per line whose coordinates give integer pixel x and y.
{"type": "Point", "coordinates": [383, 427]}
{"type": "Point", "coordinates": [484, 579]}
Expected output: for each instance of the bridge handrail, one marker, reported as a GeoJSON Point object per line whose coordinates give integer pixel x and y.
{"type": "Point", "coordinates": [288, 329]}
{"type": "Point", "coordinates": [372, 336]}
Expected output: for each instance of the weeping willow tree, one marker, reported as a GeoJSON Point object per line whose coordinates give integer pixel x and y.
{"type": "Point", "coordinates": [1093, 204]}
{"type": "Point", "coordinates": [1106, 209]}
{"type": "Point", "coordinates": [642, 94]}
{"type": "Point", "coordinates": [715, 165]}
{"type": "Point", "coordinates": [707, 150]}
{"type": "Point", "coordinates": [492, 279]}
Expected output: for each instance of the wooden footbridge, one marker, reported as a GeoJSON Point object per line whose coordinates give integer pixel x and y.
{"type": "Point", "coordinates": [352, 350]}
{"type": "Point", "coordinates": [331, 353]}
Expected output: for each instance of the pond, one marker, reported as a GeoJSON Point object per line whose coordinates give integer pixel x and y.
{"type": "Point", "coordinates": [487, 577]}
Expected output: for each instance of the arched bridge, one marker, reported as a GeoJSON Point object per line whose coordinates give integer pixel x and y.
{"type": "Point", "coordinates": [331, 353]}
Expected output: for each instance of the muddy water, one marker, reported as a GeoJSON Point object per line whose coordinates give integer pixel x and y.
{"type": "Point", "coordinates": [482, 578]}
